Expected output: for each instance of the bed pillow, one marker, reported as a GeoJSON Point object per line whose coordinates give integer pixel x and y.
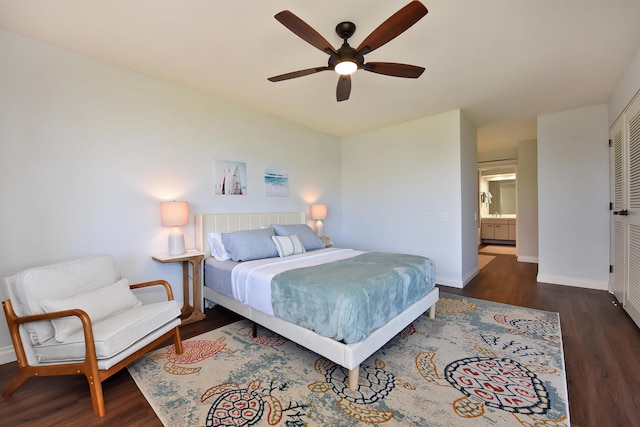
{"type": "Point", "coordinates": [218, 251]}
{"type": "Point", "coordinates": [288, 245]}
{"type": "Point", "coordinates": [250, 244]}
{"type": "Point", "coordinates": [98, 304]}
{"type": "Point", "coordinates": [309, 239]}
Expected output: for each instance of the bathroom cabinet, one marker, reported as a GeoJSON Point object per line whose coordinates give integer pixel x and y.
{"type": "Point", "coordinates": [498, 229]}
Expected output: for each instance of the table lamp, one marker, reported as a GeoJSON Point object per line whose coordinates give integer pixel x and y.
{"type": "Point", "coordinates": [319, 212]}
{"type": "Point", "coordinates": [175, 214]}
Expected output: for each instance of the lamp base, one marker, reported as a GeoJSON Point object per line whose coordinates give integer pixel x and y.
{"type": "Point", "coordinates": [176, 242]}
{"type": "Point", "coordinates": [319, 228]}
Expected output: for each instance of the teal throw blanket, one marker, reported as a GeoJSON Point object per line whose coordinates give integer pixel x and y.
{"type": "Point", "coordinates": [349, 298]}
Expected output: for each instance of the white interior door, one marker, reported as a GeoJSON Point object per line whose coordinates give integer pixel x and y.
{"type": "Point", "coordinates": [632, 135]}
{"type": "Point", "coordinates": [619, 224]}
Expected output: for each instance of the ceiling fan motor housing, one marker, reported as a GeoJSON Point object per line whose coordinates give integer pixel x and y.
{"type": "Point", "coordinates": [345, 29]}
{"type": "Point", "coordinates": [346, 52]}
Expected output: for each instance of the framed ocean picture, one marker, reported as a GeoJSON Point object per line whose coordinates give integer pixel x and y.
{"type": "Point", "coordinates": [276, 182]}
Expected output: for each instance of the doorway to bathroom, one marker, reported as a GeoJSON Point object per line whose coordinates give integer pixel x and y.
{"type": "Point", "coordinates": [497, 206]}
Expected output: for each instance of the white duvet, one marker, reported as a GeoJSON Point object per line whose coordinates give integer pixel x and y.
{"type": "Point", "coordinates": [251, 280]}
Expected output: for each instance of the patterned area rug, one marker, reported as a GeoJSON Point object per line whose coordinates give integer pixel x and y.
{"type": "Point", "coordinates": [477, 364]}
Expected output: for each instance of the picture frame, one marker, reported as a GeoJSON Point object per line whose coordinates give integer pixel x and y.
{"type": "Point", "coordinates": [230, 178]}
{"type": "Point", "coordinates": [276, 182]}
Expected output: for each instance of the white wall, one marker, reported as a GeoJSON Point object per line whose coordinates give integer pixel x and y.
{"type": "Point", "coordinates": [627, 88]}
{"type": "Point", "coordinates": [573, 198]}
{"type": "Point", "coordinates": [397, 183]}
{"type": "Point", "coordinates": [469, 199]}
{"type": "Point", "coordinates": [88, 150]}
{"type": "Point", "coordinates": [527, 202]}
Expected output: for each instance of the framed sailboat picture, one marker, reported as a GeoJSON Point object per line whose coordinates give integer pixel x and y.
{"type": "Point", "coordinates": [231, 178]}
{"type": "Point", "coordinates": [276, 182]}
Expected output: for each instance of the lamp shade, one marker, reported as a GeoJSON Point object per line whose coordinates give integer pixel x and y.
{"type": "Point", "coordinates": [318, 211]}
{"type": "Point", "coordinates": [174, 214]}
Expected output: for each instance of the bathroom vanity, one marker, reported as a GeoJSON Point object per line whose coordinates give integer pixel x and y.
{"type": "Point", "coordinates": [498, 230]}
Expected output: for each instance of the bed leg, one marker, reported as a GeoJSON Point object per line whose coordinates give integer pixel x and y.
{"type": "Point", "coordinates": [254, 331]}
{"type": "Point", "coordinates": [353, 377]}
{"type": "Point", "coordinates": [432, 312]}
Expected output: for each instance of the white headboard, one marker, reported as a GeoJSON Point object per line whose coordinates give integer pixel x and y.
{"type": "Point", "coordinates": [224, 223]}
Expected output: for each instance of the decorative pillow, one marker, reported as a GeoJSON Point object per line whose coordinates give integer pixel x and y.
{"type": "Point", "coordinates": [250, 244]}
{"type": "Point", "coordinates": [59, 280]}
{"type": "Point", "coordinates": [309, 239]}
{"type": "Point", "coordinates": [218, 251]}
{"type": "Point", "coordinates": [98, 304]}
{"type": "Point", "coordinates": [288, 245]}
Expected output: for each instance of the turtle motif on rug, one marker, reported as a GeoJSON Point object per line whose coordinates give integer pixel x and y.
{"type": "Point", "coordinates": [374, 384]}
{"type": "Point", "coordinates": [498, 383]}
{"type": "Point", "coordinates": [540, 327]}
{"type": "Point", "coordinates": [193, 352]}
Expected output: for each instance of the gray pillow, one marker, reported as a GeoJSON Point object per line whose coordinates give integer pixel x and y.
{"type": "Point", "coordinates": [306, 234]}
{"type": "Point", "coordinates": [250, 244]}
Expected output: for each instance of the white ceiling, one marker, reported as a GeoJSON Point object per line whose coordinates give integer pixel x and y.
{"type": "Point", "coordinates": [500, 61]}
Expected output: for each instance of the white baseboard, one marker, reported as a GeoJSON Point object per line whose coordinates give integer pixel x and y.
{"type": "Point", "coordinates": [473, 273]}
{"type": "Point", "coordinates": [573, 281]}
{"type": "Point", "coordinates": [530, 259]}
{"type": "Point", "coordinates": [449, 281]}
{"type": "Point", "coordinates": [455, 282]}
{"type": "Point", "coordinates": [7, 355]}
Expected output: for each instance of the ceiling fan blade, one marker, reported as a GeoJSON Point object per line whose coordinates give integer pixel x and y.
{"type": "Point", "coordinates": [305, 31]}
{"type": "Point", "coordinates": [395, 25]}
{"type": "Point", "coordinates": [344, 88]}
{"type": "Point", "coordinates": [394, 69]}
{"type": "Point", "coordinates": [300, 73]}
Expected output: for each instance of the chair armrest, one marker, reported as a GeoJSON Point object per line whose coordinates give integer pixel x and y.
{"type": "Point", "coordinates": [164, 283]}
{"type": "Point", "coordinates": [84, 317]}
{"type": "Point", "coordinates": [14, 321]}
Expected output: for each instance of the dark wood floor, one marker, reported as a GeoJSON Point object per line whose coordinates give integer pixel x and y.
{"type": "Point", "coordinates": [601, 344]}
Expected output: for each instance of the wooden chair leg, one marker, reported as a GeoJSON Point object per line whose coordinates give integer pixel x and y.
{"type": "Point", "coordinates": [19, 379]}
{"type": "Point", "coordinates": [177, 341]}
{"type": "Point", "coordinates": [97, 398]}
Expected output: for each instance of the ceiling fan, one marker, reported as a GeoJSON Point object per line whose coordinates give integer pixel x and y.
{"type": "Point", "coordinates": [346, 60]}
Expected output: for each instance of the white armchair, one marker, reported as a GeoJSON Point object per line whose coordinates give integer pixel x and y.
{"type": "Point", "coordinates": [80, 317]}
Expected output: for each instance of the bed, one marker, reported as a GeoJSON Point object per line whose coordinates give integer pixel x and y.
{"type": "Point", "coordinates": [348, 355]}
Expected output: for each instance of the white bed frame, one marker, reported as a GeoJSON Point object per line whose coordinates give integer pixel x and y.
{"type": "Point", "coordinates": [347, 355]}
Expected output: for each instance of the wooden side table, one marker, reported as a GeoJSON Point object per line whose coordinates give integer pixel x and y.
{"type": "Point", "coordinates": [189, 313]}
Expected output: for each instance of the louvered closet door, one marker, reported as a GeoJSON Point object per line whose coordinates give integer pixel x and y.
{"type": "Point", "coordinates": [632, 130]}
{"type": "Point", "coordinates": [619, 225]}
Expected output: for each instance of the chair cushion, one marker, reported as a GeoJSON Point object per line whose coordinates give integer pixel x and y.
{"type": "Point", "coordinates": [98, 304]}
{"type": "Point", "coordinates": [59, 281]}
{"type": "Point", "coordinates": [112, 335]}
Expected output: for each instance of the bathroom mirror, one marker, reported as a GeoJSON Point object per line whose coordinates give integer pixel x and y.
{"type": "Point", "coordinates": [503, 197]}
{"type": "Point", "coordinates": [497, 186]}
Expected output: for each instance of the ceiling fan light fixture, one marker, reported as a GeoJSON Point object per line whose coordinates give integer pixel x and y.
{"type": "Point", "coordinates": [345, 68]}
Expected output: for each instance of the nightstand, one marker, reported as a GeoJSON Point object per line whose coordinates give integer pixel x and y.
{"type": "Point", "coordinates": [189, 313]}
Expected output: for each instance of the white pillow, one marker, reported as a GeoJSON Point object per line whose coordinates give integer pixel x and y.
{"type": "Point", "coordinates": [218, 251]}
{"type": "Point", "coordinates": [288, 245]}
{"type": "Point", "coordinates": [98, 304]}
